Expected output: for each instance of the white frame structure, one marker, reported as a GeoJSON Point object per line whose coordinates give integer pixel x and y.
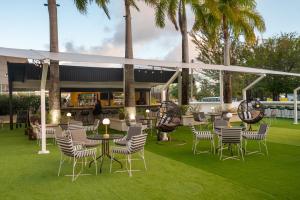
{"type": "Point", "coordinates": [296, 105]}
{"type": "Point", "coordinates": [96, 59]}
{"type": "Point", "coordinates": [251, 85]}
{"type": "Point", "coordinates": [43, 108]}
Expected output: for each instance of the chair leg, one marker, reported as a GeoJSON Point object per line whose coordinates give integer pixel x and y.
{"type": "Point", "coordinates": [213, 145]}
{"type": "Point", "coordinates": [95, 161]}
{"type": "Point", "coordinates": [129, 162]}
{"type": "Point", "coordinates": [241, 149]}
{"type": "Point", "coordinates": [143, 157]}
{"type": "Point", "coordinates": [221, 151]}
{"type": "Point", "coordinates": [60, 164]}
{"type": "Point", "coordinates": [195, 146]}
{"type": "Point", "coordinates": [245, 147]}
{"type": "Point", "coordinates": [265, 144]}
{"type": "Point", "coordinates": [111, 160]}
{"type": "Point", "coordinates": [74, 166]}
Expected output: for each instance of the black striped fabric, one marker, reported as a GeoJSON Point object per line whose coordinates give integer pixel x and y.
{"type": "Point", "coordinates": [260, 135]}
{"type": "Point", "coordinates": [75, 125]}
{"type": "Point", "coordinates": [231, 135]}
{"type": "Point", "coordinates": [136, 144]}
{"type": "Point", "coordinates": [247, 115]}
{"type": "Point", "coordinates": [67, 148]}
{"type": "Point", "coordinates": [203, 135]}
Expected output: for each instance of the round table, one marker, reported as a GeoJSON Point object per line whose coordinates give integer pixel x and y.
{"type": "Point", "coordinates": [105, 147]}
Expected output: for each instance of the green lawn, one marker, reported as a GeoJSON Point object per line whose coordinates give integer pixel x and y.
{"type": "Point", "coordinates": [173, 171]}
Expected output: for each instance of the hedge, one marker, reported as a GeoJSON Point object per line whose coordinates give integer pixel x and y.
{"type": "Point", "coordinates": [19, 103]}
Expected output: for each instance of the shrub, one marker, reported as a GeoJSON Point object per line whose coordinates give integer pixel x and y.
{"type": "Point", "coordinates": [19, 102]}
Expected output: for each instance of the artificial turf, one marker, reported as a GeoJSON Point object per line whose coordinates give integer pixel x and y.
{"type": "Point", "coordinates": [173, 171]}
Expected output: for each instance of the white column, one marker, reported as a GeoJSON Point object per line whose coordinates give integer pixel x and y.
{"type": "Point", "coordinates": [221, 89]}
{"type": "Point", "coordinates": [43, 109]}
{"type": "Point", "coordinates": [251, 85]}
{"type": "Point", "coordinates": [296, 105]}
{"type": "Point", "coordinates": [179, 85]}
{"type": "Point", "coordinates": [191, 84]}
{"type": "Point", "coordinates": [165, 87]}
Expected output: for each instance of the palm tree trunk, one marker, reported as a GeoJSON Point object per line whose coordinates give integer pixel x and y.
{"type": "Point", "coordinates": [185, 54]}
{"type": "Point", "coordinates": [129, 69]}
{"type": "Point", "coordinates": [54, 91]}
{"type": "Point", "coordinates": [227, 75]}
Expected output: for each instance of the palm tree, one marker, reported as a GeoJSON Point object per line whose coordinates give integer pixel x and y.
{"type": "Point", "coordinates": [83, 4]}
{"type": "Point", "coordinates": [129, 69]}
{"type": "Point", "coordinates": [54, 92]}
{"type": "Point", "coordinates": [238, 18]}
{"type": "Point", "coordinates": [174, 8]}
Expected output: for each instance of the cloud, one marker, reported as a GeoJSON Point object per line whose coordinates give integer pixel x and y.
{"type": "Point", "coordinates": [175, 53]}
{"type": "Point", "coordinates": [149, 41]}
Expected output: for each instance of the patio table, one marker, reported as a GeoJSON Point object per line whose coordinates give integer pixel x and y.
{"type": "Point", "coordinates": [105, 147]}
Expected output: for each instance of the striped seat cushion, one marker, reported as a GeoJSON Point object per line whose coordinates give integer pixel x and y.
{"type": "Point", "coordinates": [231, 135]}
{"type": "Point", "coordinates": [69, 149]}
{"type": "Point", "coordinates": [119, 150]}
{"type": "Point", "coordinates": [253, 136]}
{"type": "Point", "coordinates": [85, 153]}
{"type": "Point", "coordinates": [203, 135]}
{"type": "Point", "coordinates": [134, 145]}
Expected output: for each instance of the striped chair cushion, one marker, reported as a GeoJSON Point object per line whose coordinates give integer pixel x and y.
{"type": "Point", "coordinates": [255, 136]}
{"type": "Point", "coordinates": [137, 143]}
{"type": "Point", "coordinates": [231, 135]}
{"type": "Point", "coordinates": [134, 145]}
{"type": "Point", "coordinates": [119, 150]}
{"type": "Point", "coordinates": [67, 148]}
{"type": "Point", "coordinates": [85, 153]}
{"type": "Point", "coordinates": [247, 115]}
{"type": "Point", "coordinates": [204, 135]}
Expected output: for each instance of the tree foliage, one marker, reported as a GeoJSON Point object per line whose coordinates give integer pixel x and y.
{"type": "Point", "coordinates": [281, 53]}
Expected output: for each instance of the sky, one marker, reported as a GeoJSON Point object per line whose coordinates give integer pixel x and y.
{"type": "Point", "coordinates": [24, 24]}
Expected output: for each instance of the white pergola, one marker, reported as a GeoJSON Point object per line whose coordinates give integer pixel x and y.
{"type": "Point", "coordinates": [46, 56]}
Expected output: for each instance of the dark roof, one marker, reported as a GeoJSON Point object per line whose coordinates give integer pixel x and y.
{"type": "Point", "coordinates": [28, 71]}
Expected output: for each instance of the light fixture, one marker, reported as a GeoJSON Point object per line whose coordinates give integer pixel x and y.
{"type": "Point", "coordinates": [147, 112]}
{"type": "Point", "coordinates": [69, 115]}
{"type": "Point", "coordinates": [212, 109]}
{"type": "Point", "coordinates": [229, 115]}
{"type": "Point", "coordinates": [106, 122]}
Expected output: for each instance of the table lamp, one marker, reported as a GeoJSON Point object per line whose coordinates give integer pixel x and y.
{"type": "Point", "coordinates": [106, 122]}
{"type": "Point", "coordinates": [212, 109]}
{"type": "Point", "coordinates": [147, 112]}
{"type": "Point", "coordinates": [228, 116]}
{"type": "Point", "coordinates": [69, 115]}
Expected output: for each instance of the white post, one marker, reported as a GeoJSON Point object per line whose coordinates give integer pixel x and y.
{"type": "Point", "coordinates": [221, 89]}
{"type": "Point", "coordinates": [251, 85]}
{"type": "Point", "coordinates": [165, 87]}
{"type": "Point", "coordinates": [296, 105]}
{"type": "Point", "coordinates": [191, 84]}
{"type": "Point", "coordinates": [179, 85]}
{"type": "Point", "coordinates": [43, 108]}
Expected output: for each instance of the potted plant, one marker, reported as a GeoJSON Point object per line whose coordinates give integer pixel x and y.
{"type": "Point", "coordinates": [121, 113]}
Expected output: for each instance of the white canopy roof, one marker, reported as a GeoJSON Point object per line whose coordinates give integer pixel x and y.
{"type": "Point", "coordinates": [87, 58]}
